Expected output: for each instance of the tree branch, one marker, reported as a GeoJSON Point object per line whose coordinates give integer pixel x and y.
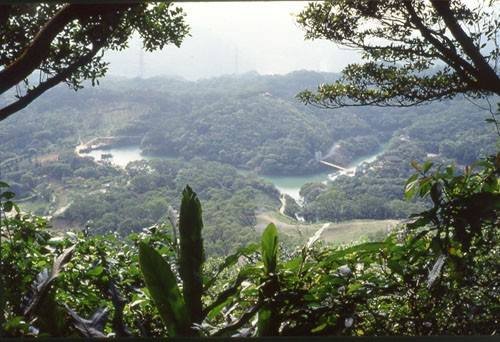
{"type": "Point", "coordinates": [323, 101]}
{"type": "Point", "coordinates": [453, 59]}
{"type": "Point", "coordinates": [4, 14]}
{"type": "Point", "coordinates": [32, 94]}
{"type": "Point", "coordinates": [39, 48]}
{"type": "Point", "coordinates": [242, 321]}
{"type": "Point", "coordinates": [488, 79]}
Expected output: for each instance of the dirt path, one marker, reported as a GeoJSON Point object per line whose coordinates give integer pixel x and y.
{"type": "Point", "coordinates": [341, 232]}
{"type": "Point", "coordinates": [283, 204]}
{"type": "Point", "coordinates": [61, 200]}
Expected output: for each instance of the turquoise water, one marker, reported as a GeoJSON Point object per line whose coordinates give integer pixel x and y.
{"type": "Point", "coordinates": [289, 185]}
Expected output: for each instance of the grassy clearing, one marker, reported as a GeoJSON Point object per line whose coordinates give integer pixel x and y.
{"type": "Point", "coordinates": [37, 207]}
{"type": "Point", "coordinates": [334, 233]}
{"type": "Point", "coordinates": [348, 231]}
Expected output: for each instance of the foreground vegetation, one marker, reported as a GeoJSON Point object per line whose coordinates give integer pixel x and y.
{"type": "Point", "coordinates": [438, 275]}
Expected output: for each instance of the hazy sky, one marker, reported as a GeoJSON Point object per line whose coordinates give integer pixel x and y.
{"type": "Point", "coordinates": [235, 37]}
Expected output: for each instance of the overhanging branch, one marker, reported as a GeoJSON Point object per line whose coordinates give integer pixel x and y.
{"type": "Point", "coordinates": [34, 54]}
{"type": "Point", "coordinates": [454, 60]}
{"type": "Point", "coordinates": [32, 94]}
{"type": "Point", "coordinates": [39, 48]}
{"type": "Point", "coordinates": [402, 99]}
{"type": "Point", "coordinates": [4, 14]}
{"type": "Point", "coordinates": [488, 79]}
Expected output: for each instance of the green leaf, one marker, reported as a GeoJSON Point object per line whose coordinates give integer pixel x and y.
{"type": "Point", "coordinates": [449, 172]}
{"type": "Point", "coordinates": [395, 266]}
{"type": "Point", "coordinates": [319, 328]}
{"type": "Point", "coordinates": [224, 297]}
{"type": "Point", "coordinates": [216, 310]}
{"type": "Point", "coordinates": [137, 302]}
{"type": "Point", "coordinates": [15, 323]}
{"type": "Point", "coordinates": [435, 245]}
{"type": "Point", "coordinates": [415, 165]}
{"type": "Point", "coordinates": [426, 166]}
{"type": "Point", "coordinates": [191, 252]}
{"type": "Point", "coordinates": [231, 260]}
{"type": "Point", "coordinates": [367, 248]}
{"type": "Point", "coordinates": [269, 246]}
{"type": "Point", "coordinates": [7, 206]}
{"type": "Point", "coordinates": [8, 195]}
{"type": "Point", "coordinates": [411, 187]}
{"type": "Point", "coordinates": [351, 288]}
{"type": "Point", "coordinates": [268, 320]}
{"type": "Point", "coordinates": [424, 186]}
{"type": "Point", "coordinates": [264, 320]}
{"type": "Point", "coordinates": [96, 271]}
{"type": "Point", "coordinates": [162, 285]}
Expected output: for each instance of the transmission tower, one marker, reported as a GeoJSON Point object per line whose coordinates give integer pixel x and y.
{"type": "Point", "coordinates": [141, 62]}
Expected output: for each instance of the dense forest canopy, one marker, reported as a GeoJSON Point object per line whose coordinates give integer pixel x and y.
{"type": "Point", "coordinates": [96, 249]}
{"type": "Point", "coordinates": [220, 136]}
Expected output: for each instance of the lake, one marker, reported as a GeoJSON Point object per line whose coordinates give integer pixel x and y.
{"type": "Point", "coordinates": [289, 185]}
{"type": "Point", "coordinates": [121, 156]}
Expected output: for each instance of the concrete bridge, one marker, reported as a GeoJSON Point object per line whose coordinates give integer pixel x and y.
{"type": "Point", "coordinates": [333, 165]}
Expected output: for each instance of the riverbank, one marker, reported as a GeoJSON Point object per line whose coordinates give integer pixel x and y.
{"type": "Point", "coordinates": [290, 185]}
{"type": "Point", "coordinates": [286, 185]}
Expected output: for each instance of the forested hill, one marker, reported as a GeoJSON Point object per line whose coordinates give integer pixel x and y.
{"type": "Point", "coordinates": [252, 123]}
{"type": "Point", "coordinates": [247, 84]}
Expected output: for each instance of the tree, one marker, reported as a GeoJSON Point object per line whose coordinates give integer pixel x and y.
{"type": "Point", "coordinates": [42, 45]}
{"type": "Point", "coordinates": [415, 51]}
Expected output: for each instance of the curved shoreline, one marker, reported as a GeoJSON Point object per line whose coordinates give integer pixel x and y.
{"type": "Point", "coordinates": [289, 185]}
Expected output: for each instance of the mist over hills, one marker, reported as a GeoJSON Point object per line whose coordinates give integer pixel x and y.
{"type": "Point", "coordinates": [234, 38]}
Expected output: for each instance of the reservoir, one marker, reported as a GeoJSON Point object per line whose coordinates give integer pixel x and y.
{"type": "Point", "coordinates": [121, 156]}
{"type": "Point", "coordinates": [290, 185]}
